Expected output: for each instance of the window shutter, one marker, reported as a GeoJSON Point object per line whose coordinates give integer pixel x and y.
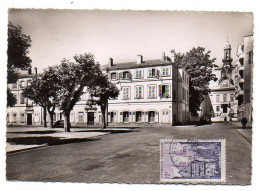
{"type": "Point", "coordinates": [156, 116]}
{"type": "Point", "coordinates": [121, 75]}
{"type": "Point", "coordinates": [150, 72]}
{"type": "Point", "coordinates": [167, 91]}
{"type": "Point", "coordinates": [160, 90]}
{"type": "Point", "coordinates": [117, 76]}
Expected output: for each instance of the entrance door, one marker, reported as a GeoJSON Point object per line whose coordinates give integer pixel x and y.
{"type": "Point", "coordinates": [90, 118]}
{"type": "Point", "coordinates": [224, 108]}
{"type": "Point", "coordinates": [138, 116]}
{"type": "Point", "coordinates": [151, 116]}
{"type": "Point", "coordinates": [29, 119]}
{"type": "Point", "coordinates": [112, 117]}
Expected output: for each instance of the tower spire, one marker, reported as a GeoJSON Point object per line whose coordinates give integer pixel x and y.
{"type": "Point", "coordinates": [227, 36]}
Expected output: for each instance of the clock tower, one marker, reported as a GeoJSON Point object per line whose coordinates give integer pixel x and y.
{"type": "Point", "coordinates": [222, 94]}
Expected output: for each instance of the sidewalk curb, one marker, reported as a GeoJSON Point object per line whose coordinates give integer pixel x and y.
{"type": "Point", "coordinates": [248, 139]}
{"type": "Point", "coordinates": [46, 145]}
{"type": "Point", "coordinates": [26, 149]}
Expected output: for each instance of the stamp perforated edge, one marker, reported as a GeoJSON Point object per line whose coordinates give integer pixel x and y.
{"type": "Point", "coordinates": [192, 181]}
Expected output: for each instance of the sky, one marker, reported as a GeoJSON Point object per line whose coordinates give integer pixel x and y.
{"type": "Point", "coordinates": [122, 35]}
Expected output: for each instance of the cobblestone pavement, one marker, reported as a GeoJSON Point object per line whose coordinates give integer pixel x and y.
{"type": "Point", "coordinates": [125, 157]}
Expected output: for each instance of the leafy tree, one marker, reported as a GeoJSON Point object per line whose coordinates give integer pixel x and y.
{"type": "Point", "coordinates": [71, 78]}
{"type": "Point", "coordinates": [199, 65]}
{"type": "Point", "coordinates": [18, 50]}
{"type": "Point", "coordinates": [11, 100]}
{"type": "Point", "coordinates": [43, 91]}
{"type": "Point", "coordinates": [18, 45]}
{"type": "Point", "coordinates": [103, 90]}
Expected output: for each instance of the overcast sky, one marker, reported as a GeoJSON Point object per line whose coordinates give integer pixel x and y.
{"type": "Point", "coordinates": [58, 34]}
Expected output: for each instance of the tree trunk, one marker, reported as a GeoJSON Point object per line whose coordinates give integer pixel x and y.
{"type": "Point", "coordinates": [67, 124]}
{"type": "Point", "coordinates": [44, 116]}
{"type": "Point", "coordinates": [51, 119]}
{"type": "Point", "coordinates": [51, 113]}
{"type": "Point", "coordinates": [103, 110]}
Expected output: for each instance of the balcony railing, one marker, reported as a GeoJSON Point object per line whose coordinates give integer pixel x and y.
{"type": "Point", "coordinates": [29, 106]}
{"type": "Point", "coordinates": [91, 104]}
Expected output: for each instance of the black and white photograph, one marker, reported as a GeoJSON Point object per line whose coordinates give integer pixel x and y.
{"type": "Point", "coordinates": [129, 96]}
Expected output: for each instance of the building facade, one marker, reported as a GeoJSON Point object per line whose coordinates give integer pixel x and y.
{"type": "Point", "coordinates": [222, 94]}
{"type": "Point", "coordinates": [244, 78]}
{"type": "Point", "coordinates": [24, 112]}
{"type": "Point", "coordinates": [153, 91]}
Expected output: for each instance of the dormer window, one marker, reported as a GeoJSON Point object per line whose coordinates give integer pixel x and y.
{"type": "Point", "coordinates": [152, 72]}
{"type": "Point", "coordinates": [29, 83]}
{"type": "Point", "coordinates": [165, 71]}
{"type": "Point", "coordinates": [113, 76]}
{"type": "Point", "coordinates": [125, 75]}
{"type": "Point", "coordinates": [139, 73]}
{"type": "Point", "coordinates": [22, 84]}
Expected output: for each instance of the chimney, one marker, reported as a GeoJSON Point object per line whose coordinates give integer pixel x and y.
{"type": "Point", "coordinates": [29, 71]}
{"type": "Point", "coordinates": [172, 57]}
{"type": "Point", "coordinates": [163, 56]}
{"type": "Point", "coordinates": [35, 70]}
{"type": "Point", "coordinates": [111, 62]}
{"type": "Point", "coordinates": [139, 59]}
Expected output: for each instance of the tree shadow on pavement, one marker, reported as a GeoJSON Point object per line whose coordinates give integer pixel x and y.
{"type": "Point", "coordinates": [35, 132]}
{"type": "Point", "coordinates": [46, 140]}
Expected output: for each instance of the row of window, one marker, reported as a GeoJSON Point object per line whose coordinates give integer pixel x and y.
{"type": "Point", "coordinates": [185, 95]}
{"type": "Point", "coordinates": [21, 84]}
{"type": "Point", "coordinates": [164, 91]}
{"type": "Point", "coordinates": [225, 98]}
{"type": "Point", "coordinates": [16, 118]}
{"type": "Point", "coordinates": [139, 73]}
{"type": "Point", "coordinates": [22, 99]}
{"type": "Point", "coordinates": [138, 116]}
{"type": "Point", "coordinates": [185, 77]}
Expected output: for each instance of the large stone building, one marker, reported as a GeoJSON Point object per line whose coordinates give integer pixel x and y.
{"type": "Point", "coordinates": [24, 112]}
{"type": "Point", "coordinates": [153, 92]}
{"type": "Point", "coordinates": [244, 78]}
{"type": "Point", "coordinates": [222, 94]}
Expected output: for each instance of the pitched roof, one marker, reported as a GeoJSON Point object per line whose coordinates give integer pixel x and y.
{"type": "Point", "coordinates": [147, 63]}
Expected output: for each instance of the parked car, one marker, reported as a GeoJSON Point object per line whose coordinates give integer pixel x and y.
{"type": "Point", "coordinates": [59, 123]}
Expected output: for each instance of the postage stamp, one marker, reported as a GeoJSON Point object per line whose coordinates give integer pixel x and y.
{"type": "Point", "coordinates": [193, 160]}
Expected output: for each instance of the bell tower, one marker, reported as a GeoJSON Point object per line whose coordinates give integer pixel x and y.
{"type": "Point", "coordinates": [227, 60]}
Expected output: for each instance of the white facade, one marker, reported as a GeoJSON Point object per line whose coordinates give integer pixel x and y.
{"type": "Point", "coordinates": [149, 93]}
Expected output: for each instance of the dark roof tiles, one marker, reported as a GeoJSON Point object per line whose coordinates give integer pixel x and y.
{"type": "Point", "coordinates": [146, 63]}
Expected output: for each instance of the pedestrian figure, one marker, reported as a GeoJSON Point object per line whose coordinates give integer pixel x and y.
{"type": "Point", "coordinates": [244, 122]}
{"type": "Point", "coordinates": [225, 120]}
